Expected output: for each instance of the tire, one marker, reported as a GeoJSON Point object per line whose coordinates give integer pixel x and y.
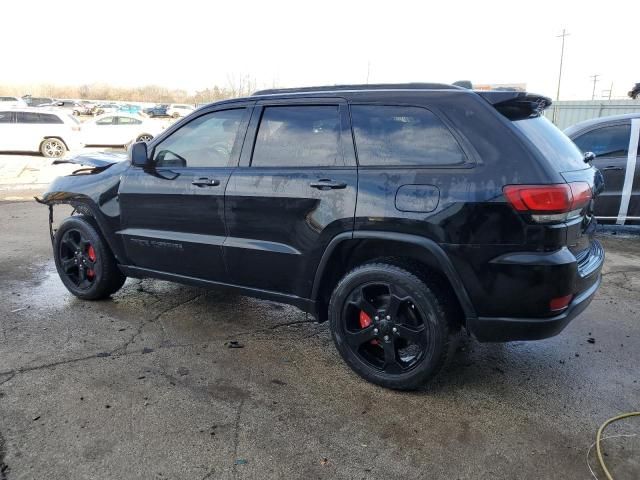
{"type": "Point", "coordinates": [53, 148]}
{"type": "Point", "coordinates": [400, 351]}
{"type": "Point", "coordinates": [144, 137]}
{"type": "Point", "coordinates": [84, 262]}
{"type": "Point", "coordinates": [175, 115]}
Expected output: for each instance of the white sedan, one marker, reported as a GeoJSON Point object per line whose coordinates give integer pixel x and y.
{"type": "Point", "coordinates": [177, 110]}
{"type": "Point", "coordinates": [119, 129]}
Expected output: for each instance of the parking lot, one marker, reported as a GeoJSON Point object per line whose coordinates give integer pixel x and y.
{"type": "Point", "coordinates": [145, 385]}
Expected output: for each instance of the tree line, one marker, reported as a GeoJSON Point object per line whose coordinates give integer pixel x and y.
{"type": "Point", "coordinates": [147, 93]}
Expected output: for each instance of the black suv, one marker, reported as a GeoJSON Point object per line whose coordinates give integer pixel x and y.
{"type": "Point", "coordinates": [400, 213]}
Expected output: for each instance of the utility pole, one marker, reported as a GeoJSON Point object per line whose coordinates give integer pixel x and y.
{"type": "Point", "coordinates": [368, 69]}
{"type": "Point", "coordinates": [595, 80]}
{"type": "Point", "coordinates": [563, 36]}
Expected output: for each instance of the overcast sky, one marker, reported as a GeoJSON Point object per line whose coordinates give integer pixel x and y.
{"type": "Point", "coordinates": [193, 44]}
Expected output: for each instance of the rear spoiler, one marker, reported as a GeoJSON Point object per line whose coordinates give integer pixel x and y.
{"type": "Point", "coordinates": [516, 105]}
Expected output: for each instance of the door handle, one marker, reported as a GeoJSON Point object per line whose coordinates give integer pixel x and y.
{"type": "Point", "coordinates": [327, 184]}
{"type": "Point", "coordinates": [206, 182]}
{"type": "Point", "coordinates": [611, 167]}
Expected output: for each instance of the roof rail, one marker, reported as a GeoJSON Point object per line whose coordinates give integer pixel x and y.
{"type": "Point", "coordinates": [367, 86]}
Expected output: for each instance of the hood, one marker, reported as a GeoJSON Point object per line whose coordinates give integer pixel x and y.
{"type": "Point", "coordinates": [98, 159]}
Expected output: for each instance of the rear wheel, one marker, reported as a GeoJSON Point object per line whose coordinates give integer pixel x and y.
{"type": "Point", "coordinates": [389, 325]}
{"type": "Point", "coordinates": [145, 137]}
{"type": "Point", "coordinates": [84, 262]}
{"type": "Point", "coordinates": [53, 148]}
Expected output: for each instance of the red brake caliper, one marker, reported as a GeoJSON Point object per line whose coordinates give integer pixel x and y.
{"type": "Point", "coordinates": [91, 254]}
{"type": "Point", "coordinates": [365, 321]}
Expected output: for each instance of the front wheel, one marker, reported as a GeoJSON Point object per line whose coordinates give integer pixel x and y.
{"type": "Point", "coordinates": [53, 148]}
{"type": "Point", "coordinates": [389, 325]}
{"type": "Point", "coordinates": [84, 262]}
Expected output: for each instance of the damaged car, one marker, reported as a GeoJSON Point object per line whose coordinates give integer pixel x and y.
{"type": "Point", "coordinates": [400, 214]}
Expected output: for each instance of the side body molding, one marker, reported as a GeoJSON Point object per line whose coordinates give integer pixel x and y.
{"type": "Point", "coordinates": [432, 247]}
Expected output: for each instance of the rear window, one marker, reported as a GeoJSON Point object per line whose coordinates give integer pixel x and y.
{"type": "Point", "coordinates": [552, 143]}
{"type": "Point", "coordinates": [407, 136]}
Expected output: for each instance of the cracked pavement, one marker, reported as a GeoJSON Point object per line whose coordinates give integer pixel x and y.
{"type": "Point", "coordinates": [142, 386]}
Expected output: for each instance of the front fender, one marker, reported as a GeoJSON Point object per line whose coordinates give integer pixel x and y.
{"type": "Point", "coordinates": [95, 192]}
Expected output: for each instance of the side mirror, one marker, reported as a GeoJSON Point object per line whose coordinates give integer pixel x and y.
{"type": "Point", "coordinates": [138, 154]}
{"type": "Point", "coordinates": [589, 156]}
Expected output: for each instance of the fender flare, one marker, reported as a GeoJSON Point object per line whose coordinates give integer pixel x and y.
{"type": "Point", "coordinates": [432, 247]}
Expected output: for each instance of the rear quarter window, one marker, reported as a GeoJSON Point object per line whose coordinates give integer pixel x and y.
{"type": "Point", "coordinates": [552, 143]}
{"type": "Point", "coordinates": [49, 118]}
{"type": "Point", "coordinates": [388, 135]}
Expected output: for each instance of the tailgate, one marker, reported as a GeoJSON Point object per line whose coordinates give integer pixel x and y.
{"type": "Point", "coordinates": [580, 230]}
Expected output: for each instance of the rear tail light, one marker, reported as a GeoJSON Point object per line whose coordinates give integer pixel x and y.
{"type": "Point", "coordinates": [560, 303]}
{"type": "Point", "coordinates": [549, 203]}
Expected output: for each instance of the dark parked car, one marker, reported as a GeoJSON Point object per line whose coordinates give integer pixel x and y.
{"type": "Point", "coordinates": [635, 91]}
{"type": "Point", "coordinates": [157, 111]}
{"type": "Point", "coordinates": [614, 141]}
{"type": "Point", "coordinates": [399, 213]}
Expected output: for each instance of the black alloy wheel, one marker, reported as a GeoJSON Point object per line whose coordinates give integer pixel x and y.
{"type": "Point", "coordinates": [384, 328]}
{"type": "Point", "coordinates": [78, 258]}
{"type": "Point", "coordinates": [84, 261]}
{"type": "Point", "coordinates": [389, 324]}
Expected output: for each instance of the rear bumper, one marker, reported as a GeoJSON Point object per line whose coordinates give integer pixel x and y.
{"type": "Point", "coordinates": [495, 329]}
{"type": "Point", "coordinates": [586, 280]}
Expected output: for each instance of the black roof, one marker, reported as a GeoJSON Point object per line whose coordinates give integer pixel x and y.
{"type": "Point", "coordinates": [371, 86]}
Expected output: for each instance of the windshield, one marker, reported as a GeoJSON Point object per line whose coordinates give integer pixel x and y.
{"type": "Point", "coordinates": [552, 143]}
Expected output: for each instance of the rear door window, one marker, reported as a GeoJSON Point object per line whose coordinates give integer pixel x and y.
{"type": "Point", "coordinates": [105, 121]}
{"type": "Point", "coordinates": [388, 135]}
{"type": "Point", "coordinates": [5, 117]}
{"type": "Point", "coordinates": [609, 141]}
{"type": "Point", "coordinates": [128, 121]}
{"type": "Point", "coordinates": [27, 117]}
{"type": "Point", "coordinates": [298, 136]}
